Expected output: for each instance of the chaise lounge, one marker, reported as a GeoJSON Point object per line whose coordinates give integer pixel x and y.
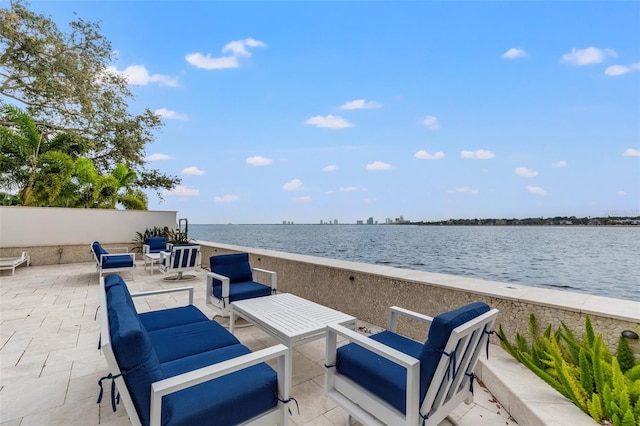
{"type": "Point", "coordinates": [13, 262]}
{"type": "Point", "coordinates": [176, 367]}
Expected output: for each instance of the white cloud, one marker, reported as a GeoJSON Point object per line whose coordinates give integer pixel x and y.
{"type": "Point", "coordinates": [424, 155]}
{"type": "Point", "coordinates": [199, 60]}
{"type": "Point", "coordinates": [157, 157]}
{"type": "Point", "coordinates": [293, 185]}
{"type": "Point", "coordinates": [239, 47]}
{"type": "Point", "coordinates": [193, 170]}
{"type": "Point", "coordinates": [348, 189]}
{"type": "Point", "coordinates": [227, 198]}
{"type": "Point", "coordinates": [621, 193]}
{"type": "Point", "coordinates": [560, 164]}
{"type": "Point", "coordinates": [330, 168]}
{"type": "Point", "coordinates": [630, 152]}
{"type": "Point", "coordinates": [615, 70]}
{"type": "Point", "coordinates": [379, 165]}
{"type": "Point", "coordinates": [480, 154]}
{"type": "Point", "coordinates": [588, 56]}
{"type": "Point", "coordinates": [138, 75]}
{"type": "Point", "coordinates": [514, 53]}
{"type": "Point", "coordinates": [182, 190]}
{"type": "Point", "coordinates": [536, 190]}
{"type": "Point", "coordinates": [467, 190]}
{"type": "Point", "coordinates": [259, 161]}
{"type": "Point", "coordinates": [303, 199]}
{"type": "Point", "coordinates": [169, 114]}
{"type": "Point", "coordinates": [330, 122]}
{"type": "Point", "coordinates": [526, 172]}
{"type": "Point", "coordinates": [236, 48]}
{"type": "Point", "coordinates": [360, 104]}
{"type": "Point", "coordinates": [431, 122]}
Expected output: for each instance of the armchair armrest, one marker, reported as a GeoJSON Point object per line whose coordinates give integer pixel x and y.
{"type": "Point", "coordinates": [123, 249]}
{"type": "Point", "coordinates": [396, 311]}
{"type": "Point", "coordinates": [226, 282]}
{"type": "Point", "coordinates": [204, 374]}
{"type": "Point", "coordinates": [273, 276]}
{"type": "Point", "coordinates": [166, 291]}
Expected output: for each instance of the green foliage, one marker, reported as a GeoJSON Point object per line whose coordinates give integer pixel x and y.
{"type": "Point", "coordinates": [624, 355]}
{"type": "Point", "coordinates": [64, 81]}
{"type": "Point", "coordinates": [173, 236]}
{"type": "Point", "coordinates": [584, 370]}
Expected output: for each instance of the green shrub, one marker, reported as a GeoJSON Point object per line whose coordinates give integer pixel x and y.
{"type": "Point", "coordinates": [584, 370]}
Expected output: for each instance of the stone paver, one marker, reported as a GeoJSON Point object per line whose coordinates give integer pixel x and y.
{"type": "Point", "coordinates": [50, 363]}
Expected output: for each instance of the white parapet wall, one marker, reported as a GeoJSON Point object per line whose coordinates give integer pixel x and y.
{"type": "Point", "coordinates": [63, 235]}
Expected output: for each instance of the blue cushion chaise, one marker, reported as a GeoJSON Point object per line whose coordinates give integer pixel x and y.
{"type": "Point", "coordinates": [112, 262]}
{"type": "Point", "coordinates": [176, 367]}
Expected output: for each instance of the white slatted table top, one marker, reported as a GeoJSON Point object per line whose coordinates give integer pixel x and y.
{"type": "Point", "coordinates": [290, 318]}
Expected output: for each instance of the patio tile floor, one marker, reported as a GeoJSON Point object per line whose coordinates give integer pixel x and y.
{"type": "Point", "coordinates": [50, 363]}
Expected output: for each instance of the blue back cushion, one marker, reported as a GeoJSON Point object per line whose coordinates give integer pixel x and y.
{"type": "Point", "coordinates": [189, 255]}
{"type": "Point", "coordinates": [156, 243]}
{"type": "Point", "coordinates": [234, 266]}
{"type": "Point", "coordinates": [98, 250]}
{"type": "Point", "coordinates": [439, 333]}
{"type": "Point", "coordinates": [133, 351]}
{"type": "Point", "coordinates": [112, 281]}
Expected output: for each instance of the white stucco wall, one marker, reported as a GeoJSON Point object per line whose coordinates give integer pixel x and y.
{"type": "Point", "coordinates": [45, 226]}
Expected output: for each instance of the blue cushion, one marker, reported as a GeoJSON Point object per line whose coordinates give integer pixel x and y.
{"type": "Point", "coordinates": [98, 250]}
{"type": "Point", "coordinates": [156, 244]}
{"type": "Point", "coordinates": [380, 376]}
{"type": "Point", "coordinates": [189, 256]}
{"type": "Point", "coordinates": [227, 400]}
{"type": "Point", "coordinates": [242, 291]}
{"type": "Point", "coordinates": [233, 266]}
{"type": "Point", "coordinates": [117, 261]}
{"type": "Point", "coordinates": [190, 339]}
{"type": "Point", "coordinates": [171, 317]}
{"type": "Point", "coordinates": [388, 380]}
{"type": "Point", "coordinates": [134, 352]}
{"type": "Point", "coordinates": [439, 333]}
{"type": "Point", "coordinates": [113, 281]}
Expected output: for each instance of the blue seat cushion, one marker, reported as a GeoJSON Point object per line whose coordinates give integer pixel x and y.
{"type": "Point", "coordinates": [242, 291]}
{"type": "Point", "coordinates": [172, 317]}
{"type": "Point", "coordinates": [134, 352]}
{"type": "Point", "coordinates": [380, 376]}
{"type": "Point", "coordinates": [190, 339]}
{"type": "Point", "coordinates": [117, 261]}
{"type": "Point", "coordinates": [156, 244]}
{"type": "Point", "coordinates": [235, 266]}
{"type": "Point", "coordinates": [227, 400]}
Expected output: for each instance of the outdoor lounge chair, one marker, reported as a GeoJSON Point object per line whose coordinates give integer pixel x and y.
{"type": "Point", "coordinates": [13, 262]}
{"type": "Point", "coordinates": [390, 379]}
{"type": "Point", "coordinates": [182, 258]}
{"type": "Point", "coordinates": [232, 278]}
{"type": "Point", "coordinates": [112, 262]}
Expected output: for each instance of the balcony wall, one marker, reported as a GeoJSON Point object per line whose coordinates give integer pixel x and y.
{"type": "Point", "coordinates": [366, 291]}
{"type": "Point", "coordinates": [62, 235]}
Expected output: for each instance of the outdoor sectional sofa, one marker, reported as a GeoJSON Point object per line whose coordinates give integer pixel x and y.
{"type": "Point", "coordinates": [176, 367]}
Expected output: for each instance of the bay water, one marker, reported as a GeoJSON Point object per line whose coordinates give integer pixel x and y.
{"type": "Point", "coordinates": [598, 260]}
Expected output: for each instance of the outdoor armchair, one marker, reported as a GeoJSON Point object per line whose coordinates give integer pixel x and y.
{"type": "Point", "coordinates": [232, 278]}
{"type": "Point", "coordinates": [390, 379]}
{"type": "Point", "coordinates": [182, 258]}
{"type": "Point", "coordinates": [155, 245]}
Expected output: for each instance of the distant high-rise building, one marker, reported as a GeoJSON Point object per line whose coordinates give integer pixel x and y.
{"type": "Point", "coordinates": [359, 222]}
{"type": "Point", "coordinates": [370, 221]}
{"type": "Point", "coordinates": [335, 221]}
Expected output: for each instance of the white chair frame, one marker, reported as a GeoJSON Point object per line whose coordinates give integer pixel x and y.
{"type": "Point", "coordinates": [276, 416]}
{"type": "Point", "coordinates": [13, 262]}
{"type": "Point", "coordinates": [222, 307]}
{"type": "Point", "coordinates": [442, 397]}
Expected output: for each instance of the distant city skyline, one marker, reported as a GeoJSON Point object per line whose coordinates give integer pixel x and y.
{"type": "Point", "coordinates": [302, 111]}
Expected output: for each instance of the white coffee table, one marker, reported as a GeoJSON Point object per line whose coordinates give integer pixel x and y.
{"type": "Point", "coordinates": [150, 258]}
{"type": "Point", "coordinates": [290, 319]}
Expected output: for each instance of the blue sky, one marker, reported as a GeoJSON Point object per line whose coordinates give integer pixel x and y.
{"type": "Point", "coordinates": [309, 111]}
